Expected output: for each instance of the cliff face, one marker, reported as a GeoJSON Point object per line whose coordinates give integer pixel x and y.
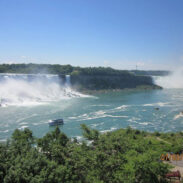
{"type": "Point", "coordinates": [104, 82]}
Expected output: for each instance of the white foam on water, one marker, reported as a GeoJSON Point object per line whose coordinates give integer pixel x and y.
{"type": "Point", "coordinates": [3, 140]}
{"type": "Point", "coordinates": [161, 104]}
{"type": "Point", "coordinates": [96, 115]}
{"type": "Point", "coordinates": [180, 115]}
{"type": "Point", "coordinates": [134, 120]}
{"type": "Point", "coordinates": [113, 116]}
{"type": "Point", "coordinates": [121, 107]}
{"type": "Point", "coordinates": [110, 130]}
{"type": "Point", "coordinates": [23, 127]}
{"type": "Point", "coordinates": [35, 124]}
{"type": "Point", "coordinates": [144, 123]}
{"type": "Point", "coordinates": [23, 123]}
{"type": "Point", "coordinates": [100, 105]}
{"type": "Point", "coordinates": [97, 124]}
{"type": "Point", "coordinates": [23, 120]}
{"type": "Point", "coordinates": [4, 131]}
{"type": "Point", "coordinates": [73, 117]}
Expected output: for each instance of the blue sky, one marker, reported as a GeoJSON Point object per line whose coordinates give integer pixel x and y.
{"type": "Point", "coordinates": [116, 33]}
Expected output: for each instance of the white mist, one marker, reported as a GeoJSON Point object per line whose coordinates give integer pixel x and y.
{"type": "Point", "coordinates": [174, 80]}
{"type": "Point", "coordinates": [22, 90]}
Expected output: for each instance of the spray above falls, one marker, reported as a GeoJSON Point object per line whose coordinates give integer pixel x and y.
{"type": "Point", "coordinates": [173, 80]}
{"type": "Point", "coordinates": [29, 89]}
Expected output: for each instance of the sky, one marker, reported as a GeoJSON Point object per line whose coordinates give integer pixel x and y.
{"type": "Point", "coordinates": [121, 34]}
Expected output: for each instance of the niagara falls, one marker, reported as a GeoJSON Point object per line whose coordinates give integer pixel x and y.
{"type": "Point", "coordinates": [91, 91]}
{"type": "Point", "coordinates": [31, 100]}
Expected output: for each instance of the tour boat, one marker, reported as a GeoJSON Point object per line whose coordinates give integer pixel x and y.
{"type": "Point", "coordinates": [56, 122]}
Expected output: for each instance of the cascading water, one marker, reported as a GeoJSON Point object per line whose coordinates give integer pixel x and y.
{"type": "Point", "coordinates": [174, 80]}
{"type": "Point", "coordinates": [68, 80]}
{"type": "Point", "coordinates": [29, 89]}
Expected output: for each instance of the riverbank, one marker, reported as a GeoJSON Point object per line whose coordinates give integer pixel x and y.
{"type": "Point", "coordinates": [139, 88]}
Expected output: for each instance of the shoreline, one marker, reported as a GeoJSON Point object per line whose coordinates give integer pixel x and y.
{"type": "Point", "coordinates": [139, 88]}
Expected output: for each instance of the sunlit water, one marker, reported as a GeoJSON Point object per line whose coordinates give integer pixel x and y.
{"type": "Point", "coordinates": [104, 112]}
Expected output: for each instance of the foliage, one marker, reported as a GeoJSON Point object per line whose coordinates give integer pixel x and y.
{"type": "Point", "coordinates": [122, 156]}
{"type": "Point", "coordinates": [58, 69]}
{"type": "Point", "coordinates": [68, 69]}
{"type": "Point", "coordinates": [151, 72]}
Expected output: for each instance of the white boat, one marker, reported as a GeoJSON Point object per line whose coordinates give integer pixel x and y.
{"type": "Point", "coordinates": [56, 122]}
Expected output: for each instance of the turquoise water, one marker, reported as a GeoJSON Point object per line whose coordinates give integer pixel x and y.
{"type": "Point", "coordinates": [105, 112]}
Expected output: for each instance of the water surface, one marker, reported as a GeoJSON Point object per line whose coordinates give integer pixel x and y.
{"type": "Point", "coordinates": [104, 112]}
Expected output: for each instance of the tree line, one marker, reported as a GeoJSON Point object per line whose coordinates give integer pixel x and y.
{"type": "Point", "coordinates": [68, 69]}
{"type": "Point", "coordinates": [122, 156]}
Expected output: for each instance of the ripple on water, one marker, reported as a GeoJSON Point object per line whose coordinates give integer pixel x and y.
{"type": "Point", "coordinates": [161, 104]}
{"type": "Point", "coordinates": [23, 127]}
{"type": "Point", "coordinates": [97, 124]}
{"type": "Point", "coordinates": [121, 107]}
{"type": "Point", "coordinates": [23, 123]}
{"type": "Point", "coordinates": [144, 123]}
{"type": "Point", "coordinates": [4, 131]}
{"type": "Point", "coordinates": [2, 140]}
{"type": "Point", "coordinates": [110, 130]}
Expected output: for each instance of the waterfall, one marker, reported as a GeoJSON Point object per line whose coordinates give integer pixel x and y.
{"type": "Point", "coordinates": [30, 89]}
{"type": "Point", "coordinates": [173, 80]}
{"type": "Point", "coordinates": [68, 80]}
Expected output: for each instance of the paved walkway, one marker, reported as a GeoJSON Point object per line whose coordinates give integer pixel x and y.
{"type": "Point", "coordinates": [178, 165]}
